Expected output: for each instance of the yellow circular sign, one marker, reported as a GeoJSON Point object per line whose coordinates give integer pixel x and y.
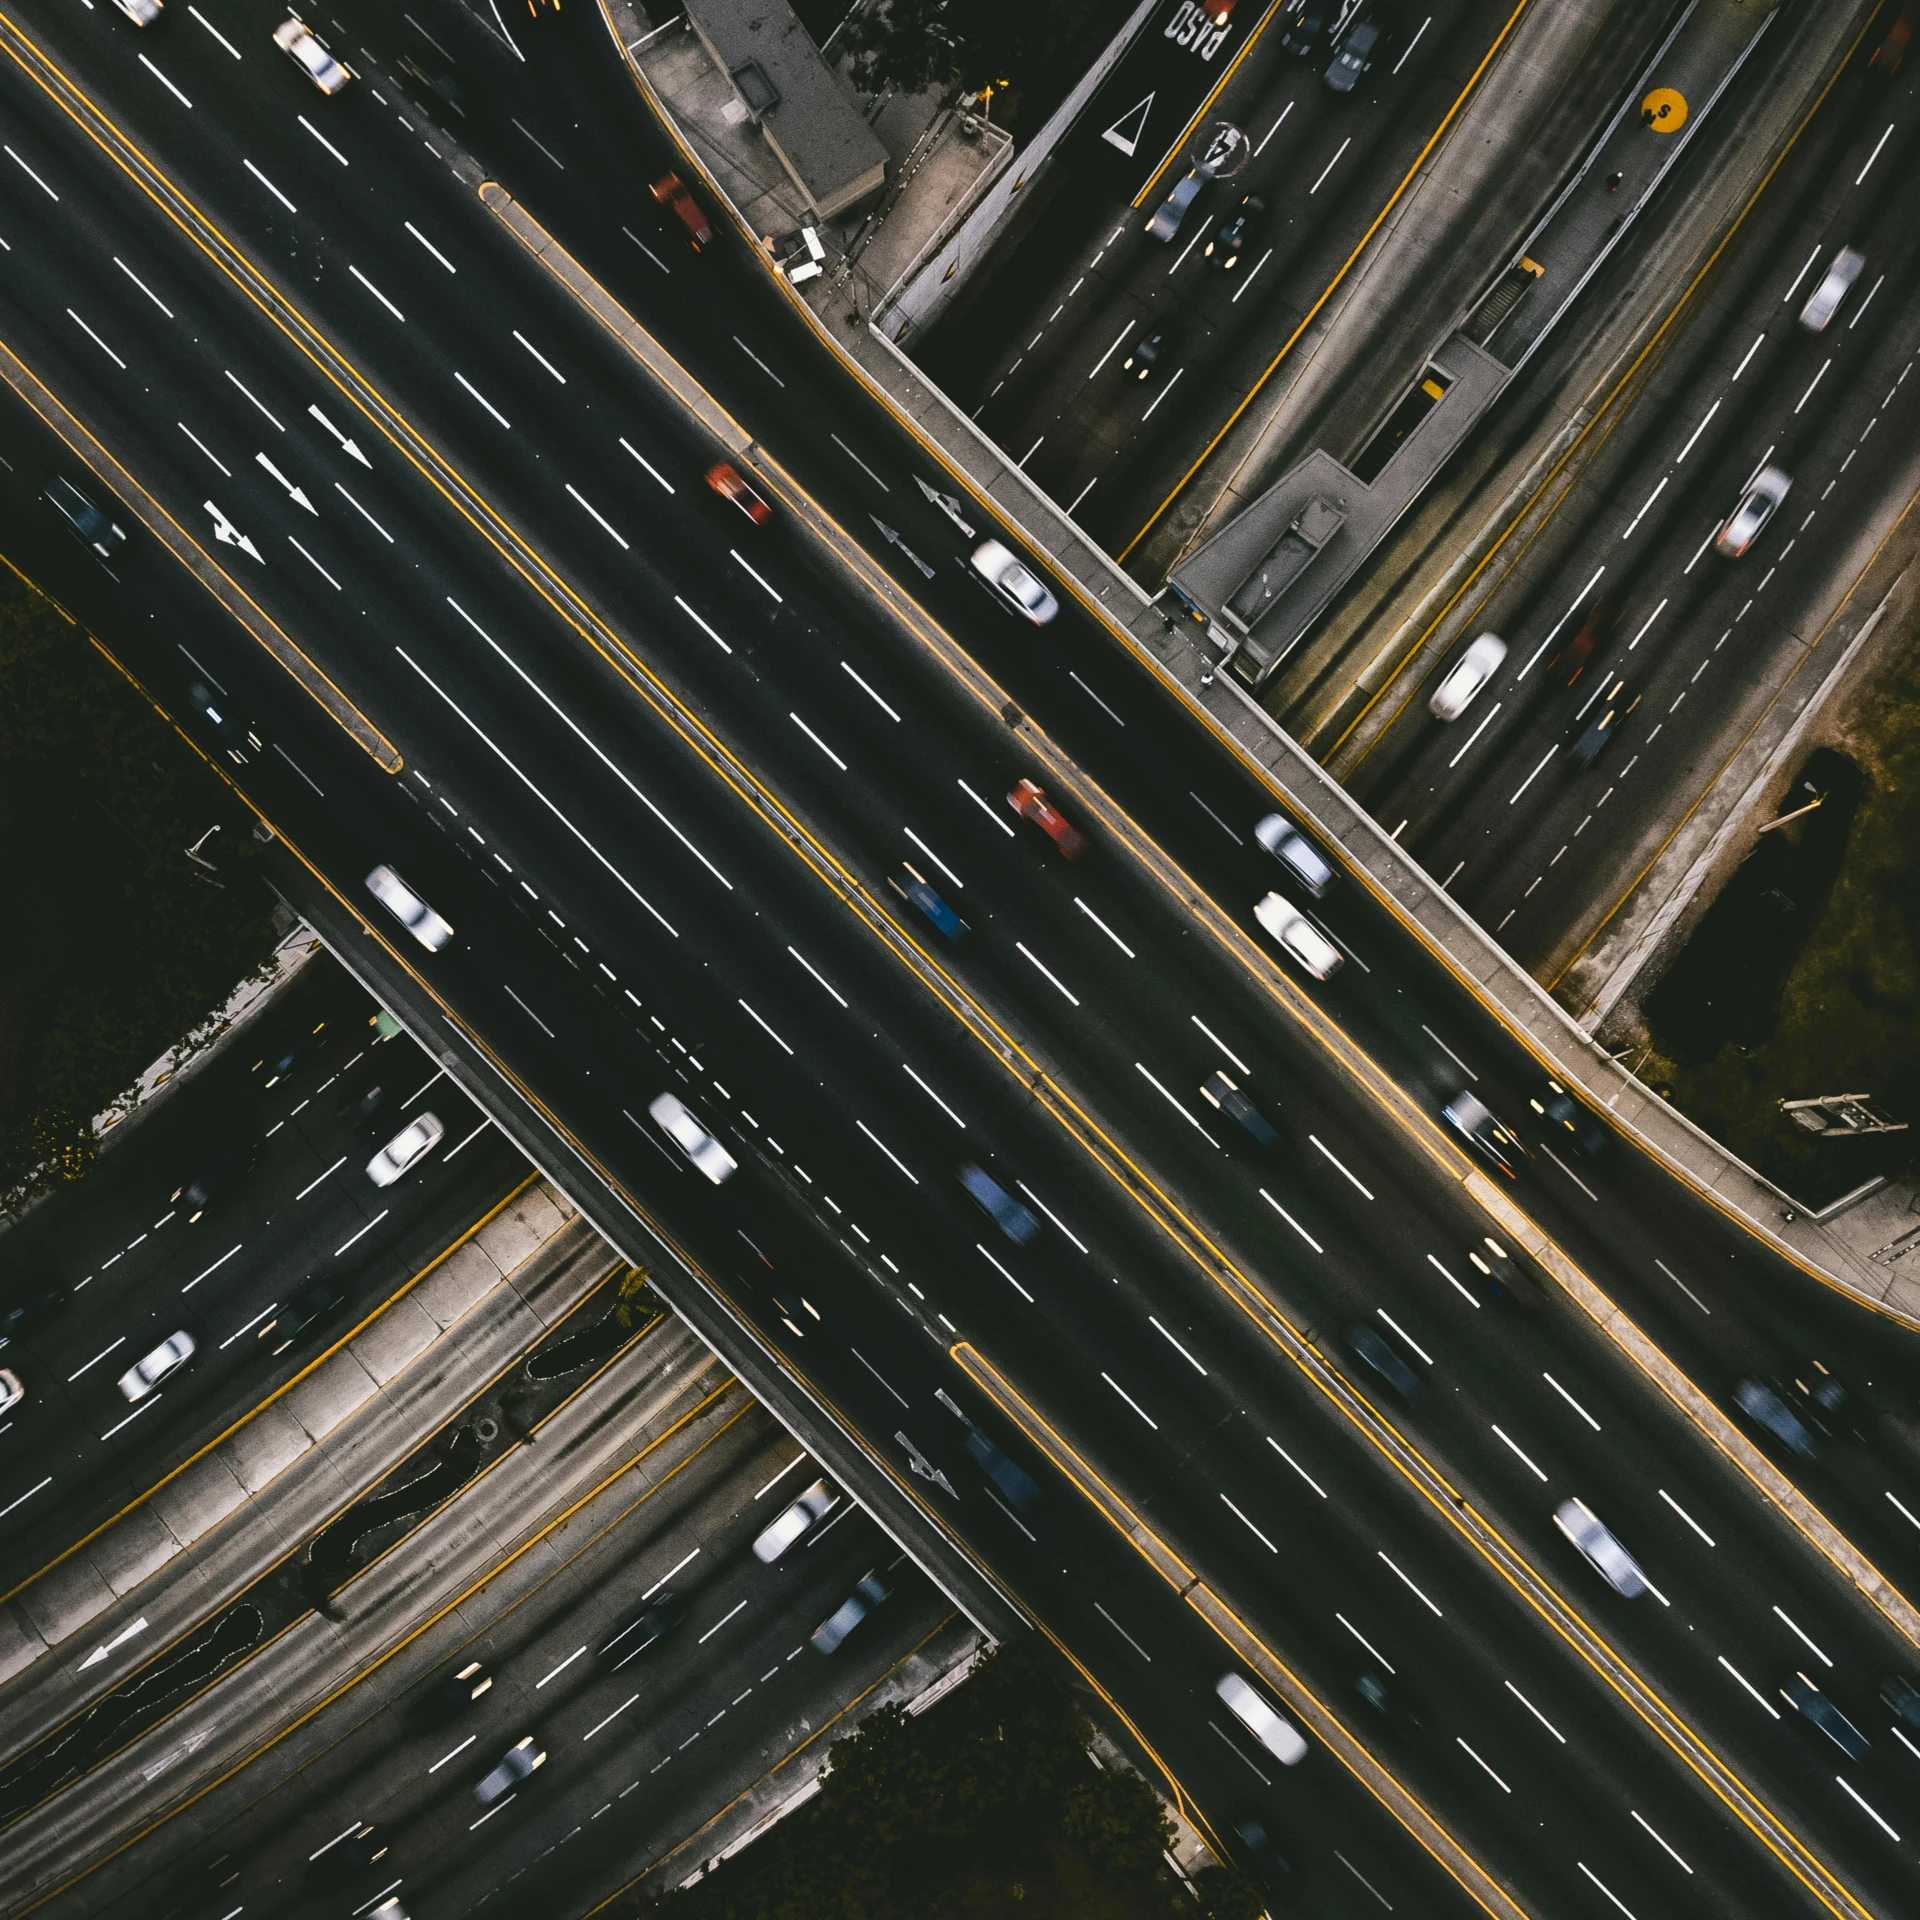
{"type": "Point", "coordinates": [1664, 110]}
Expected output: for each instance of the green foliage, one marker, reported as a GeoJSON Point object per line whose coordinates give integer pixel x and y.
{"type": "Point", "coordinates": [985, 1805]}
{"type": "Point", "coordinates": [117, 943]}
{"type": "Point", "coordinates": [1227, 1894]}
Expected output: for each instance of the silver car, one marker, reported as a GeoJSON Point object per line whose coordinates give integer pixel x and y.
{"type": "Point", "coordinates": [169, 1356]}
{"type": "Point", "coordinates": [1013, 583]}
{"type": "Point", "coordinates": [815, 1504]}
{"type": "Point", "coordinates": [1173, 209]}
{"type": "Point", "coordinates": [309, 53]}
{"type": "Point", "coordinates": [1467, 676]}
{"type": "Point", "coordinates": [1274, 1731]}
{"type": "Point", "coordinates": [1835, 284]}
{"type": "Point", "coordinates": [413, 1142]}
{"type": "Point", "coordinates": [409, 909]}
{"type": "Point", "coordinates": [1608, 1558]}
{"type": "Point", "coordinates": [143, 13]}
{"type": "Point", "coordinates": [867, 1595]}
{"type": "Point", "coordinates": [1761, 501]}
{"type": "Point", "coordinates": [675, 1119]}
{"type": "Point", "coordinates": [1299, 936]}
{"type": "Point", "coordinates": [516, 1765]}
{"type": "Point", "coordinates": [1295, 852]}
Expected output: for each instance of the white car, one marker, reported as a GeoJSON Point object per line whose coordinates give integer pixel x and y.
{"type": "Point", "coordinates": [1013, 583]}
{"type": "Point", "coordinates": [1824, 301]}
{"type": "Point", "coordinates": [516, 1764]}
{"type": "Point", "coordinates": [409, 909]}
{"type": "Point", "coordinates": [675, 1119]}
{"type": "Point", "coordinates": [143, 13]}
{"type": "Point", "coordinates": [1608, 1558]}
{"type": "Point", "coordinates": [1294, 851]}
{"type": "Point", "coordinates": [1299, 936]}
{"type": "Point", "coordinates": [815, 1504]}
{"type": "Point", "coordinates": [11, 1391]}
{"type": "Point", "coordinates": [169, 1356]}
{"type": "Point", "coordinates": [1278, 1735]}
{"type": "Point", "coordinates": [417, 1137]}
{"type": "Point", "coordinates": [867, 1594]}
{"type": "Point", "coordinates": [1761, 501]}
{"type": "Point", "coordinates": [309, 53]}
{"type": "Point", "coordinates": [1467, 676]}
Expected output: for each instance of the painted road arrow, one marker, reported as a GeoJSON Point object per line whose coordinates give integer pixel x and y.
{"type": "Point", "coordinates": [228, 534]}
{"type": "Point", "coordinates": [347, 445]}
{"type": "Point", "coordinates": [293, 492]}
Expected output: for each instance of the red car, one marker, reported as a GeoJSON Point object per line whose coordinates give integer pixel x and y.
{"type": "Point", "coordinates": [671, 191]}
{"type": "Point", "coordinates": [726, 482]}
{"type": "Point", "coordinates": [1571, 661]}
{"type": "Point", "coordinates": [1031, 804]}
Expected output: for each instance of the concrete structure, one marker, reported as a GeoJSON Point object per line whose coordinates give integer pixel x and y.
{"type": "Point", "coordinates": [782, 84]}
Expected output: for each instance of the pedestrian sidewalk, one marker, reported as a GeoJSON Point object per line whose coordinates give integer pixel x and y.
{"type": "Point", "coordinates": [303, 1455]}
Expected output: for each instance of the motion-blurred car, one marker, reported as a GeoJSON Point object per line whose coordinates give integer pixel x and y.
{"type": "Point", "coordinates": [1305, 29]}
{"type": "Point", "coordinates": [867, 1594]}
{"type": "Point", "coordinates": [1559, 1108]}
{"type": "Point", "coordinates": [1299, 936]}
{"type": "Point", "coordinates": [1014, 1483]}
{"type": "Point", "coordinates": [1467, 676]}
{"type": "Point", "coordinates": [1505, 1278]}
{"type": "Point", "coordinates": [1762, 500]}
{"type": "Point", "coordinates": [11, 1391]}
{"type": "Point", "coordinates": [916, 892]}
{"type": "Point", "coordinates": [1168, 215]}
{"type": "Point", "coordinates": [146, 1373]}
{"type": "Point", "coordinates": [453, 1693]}
{"type": "Point", "coordinates": [412, 1143]}
{"type": "Point", "coordinates": [1148, 354]}
{"type": "Point", "coordinates": [431, 78]}
{"type": "Point", "coordinates": [1571, 661]}
{"type": "Point", "coordinates": [1031, 804]}
{"type": "Point", "coordinates": [1901, 1698]}
{"type": "Point", "coordinates": [517, 1765]}
{"type": "Point", "coordinates": [143, 13]}
{"type": "Point", "coordinates": [1384, 1358]}
{"type": "Point", "coordinates": [1273, 1730]}
{"type": "Point", "coordinates": [92, 528]}
{"type": "Point", "coordinates": [309, 53]}
{"type": "Point", "coordinates": [778, 1535]}
{"type": "Point", "coordinates": [1219, 1091]}
{"type": "Point", "coordinates": [1270, 1866]}
{"type": "Point", "coordinates": [1294, 851]}
{"type": "Point", "coordinates": [675, 1119]}
{"type": "Point", "coordinates": [1597, 1545]}
{"type": "Point", "coordinates": [224, 1168]}
{"type": "Point", "coordinates": [725, 480]}
{"type": "Point", "coordinates": [1353, 57]}
{"type": "Point", "coordinates": [999, 1205]}
{"type": "Point", "coordinates": [1239, 236]}
{"type": "Point", "coordinates": [1013, 583]}
{"type": "Point", "coordinates": [647, 1628]}
{"type": "Point", "coordinates": [1599, 719]}
{"type": "Point", "coordinates": [240, 741]}
{"type": "Point", "coordinates": [1806, 1699]}
{"type": "Point", "coordinates": [307, 1309]}
{"type": "Point", "coordinates": [1389, 1701]}
{"type": "Point", "coordinates": [1765, 1408]}
{"type": "Point", "coordinates": [408, 908]}
{"type": "Point", "coordinates": [670, 192]}
{"type": "Point", "coordinates": [1495, 1142]}
{"type": "Point", "coordinates": [1835, 284]}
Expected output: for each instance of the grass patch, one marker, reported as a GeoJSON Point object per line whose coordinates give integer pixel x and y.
{"type": "Point", "coordinates": [1847, 1017]}
{"type": "Point", "coordinates": [117, 943]}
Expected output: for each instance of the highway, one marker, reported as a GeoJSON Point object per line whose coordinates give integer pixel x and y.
{"type": "Point", "coordinates": [1699, 644]}
{"type": "Point", "coordinates": [582, 829]}
{"type": "Point", "coordinates": [109, 1270]}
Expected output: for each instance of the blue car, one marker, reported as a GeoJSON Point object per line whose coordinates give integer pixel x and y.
{"type": "Point", "coordinates": [915, 890]}
{"type": "Point", "coordinates": [1008, 1214]}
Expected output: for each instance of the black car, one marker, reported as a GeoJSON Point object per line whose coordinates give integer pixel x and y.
{"type": "Point", "coordinates": [1599, 719]}
{"type": "Point", "coordinates": [301, 1314]}
{"type": "Point", "coordinates": [647, 1628]}
{"type": "Point", "coordinates": [1306, 29]}
{"type": "Point", "coordinates": [451, 1695]}
{"type": "Point", "coordinates": [241, 742]}
{"type": "Point", "coordinates": [1560, 1109]}
{"type": "Point", "coordinates": [1353, 57]}
{"type": "Point", "coordinates": [1384, 1358]}
{"type": "Point", "coordinates": [1390, 1702]}
{"type": "Point", "coordinates": [1902, 1697]}
{"type": "Point", "coordinates": [221, 1170]}
{"type": "Point", "coordinates": [1492, 1139]}
{"type": "Point", "coordinates": [1270, 1866]}
{"type": "Point", "coordinates": [1503, 1276]}
{"type": "Point", "coordinates": [92, 528]}
{"type": "Point", "coordinates": [1150, 355]}
{"type": "Point", "coordinates": [1218, 1091]}
{"type": "Point", "coordinates": [1240, 234]}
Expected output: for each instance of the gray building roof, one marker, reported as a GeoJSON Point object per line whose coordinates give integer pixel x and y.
{"type": "Point", "coordinates": [809, 121]}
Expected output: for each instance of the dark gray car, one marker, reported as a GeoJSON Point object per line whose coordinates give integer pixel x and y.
{"type": "Point", "coordinates": [1354, 57]}
{"type": "Point", "coordinates": [85, 521]}
{"type": "Point", "coordinates": [1805, 1698]}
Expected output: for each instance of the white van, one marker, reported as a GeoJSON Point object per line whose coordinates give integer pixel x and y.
{"type": "Point", "coordinates": [1279, 1736]}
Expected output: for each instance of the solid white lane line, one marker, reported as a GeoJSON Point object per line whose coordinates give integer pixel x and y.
{"type": "Point", "coordinates": [529, 1012]}
{"type": "Point", "coordinates": [1041, 966]}
{"type": "Point", "coordinates": [1604, 1888]}
{"type": "Point", "coordinates": [1684, 1288]}
{"type": "Point", "coordinates": [1404, 1335]}
{"type": "Point", "coordinates": [435, 1768]}
{"type": "Point", "coordinates": [1272, 130]}
{"type": "Point", "coordinates": [1642, 514]}
{"type": "Point", "coordinates": [1004, 1274]}
{"type": "Point", "coordinates": [277, 427]}
{"type": "Point", "coordinates": [684, 1561]}
{"type": "Point", "coordinates": [1787, 299]}
{"type": "Point", "coordinates": [165, 82]}
{"type": "Point", "coordinates": [1365, 1642]}
{"type": "Point", "coordinates": [218, 1264]}
{"type": "Point", "coordinates": [1686, 1516]}
{"type": "Point", "coordinates": [861, 464]}
{"type": "Point", "coordinates": [232, 49]}
{"type": "Point", "coordinates": [1766, 1705]}
{"type": "Point", "coordinates": [335, 1168]}
{"type": "Point", "coordinates": [1561, 1164]}
{"type": "Point", "coordinates": [134, 1415]}
{"type": "Point", "coordinates": [1175, 1105]}
{"type": "Point", "coordinates": [1334, 1162]}
{"type": "Point", "coordinates": [315, 564]}
{"type": "Point", "coordinates": [717, 1625]}
{"type": "Point", "coordinates": [621, 1708]}
{"type": "Point", "coordinates": [1051, 1215]}
{"type": "Point", "coordinates": [1329, 167]}
{"type": "Point", "coordinates": [580, 734]}
{"type": "Point", "coordinates": [1514, 1447]}
{"type": "Point", "coordinates": [482, 398]}
{"type": "Point", "coordinates": [1291, 1221]}
{"type": "Point", "coordinates": [541, 357]}
{"type": "Point", "coordinates": [606, 525]}
{"type": "Point", "coordinates": [322, 138]}
{"type": "Point", "coordinates": [1800, 1634]}
{"type": "Point", "coordinates": [985, 808]}
{"type": "Point", "coordinates": [561, 1668]}
{"type": "Point", "coordinates": [1089, 692]}
{"type": "Point", "coordinates": [1221, 1044]}
{"type": "Point", "coordinates": [204, 448]}
{"type": "Point", "coordinates": [1412, 1589]}
{"type": "Point", "coordinates": [888, 1151]}
{"type": "Point", "coordinates": [97, 1358]}
{"type": "Point", "coordinates": [1126, 1396]}
{"type": "Point", "coordinates": [1533, 776]}
{"type": "Point", "coordinates": [1248, 1764]}
{"type": "Point", "coordinates": [759, 578]}
{"type": "Point", "coordinates": [1472, 1299]}
{"type": "Point", "coordinates": [1571, 1401]}
{"type": "Point", "coordinates": [1414, 42]}
{"type": "Point", "coordinates": [363, 513]}
{"type": "Point", "coordinates": [142, 285]}
{"type": "Point", "coordinates": [817, 741]}
{"type": "Point", "coordinates": [1115, 348]}
{"type": "Point", "coordinates": [934, 857]}
{"type": "Point", "coordinates": [1250, 1527]}
{"type": "Point", "coordinates": [1904, 1508]}
{"type": "Point", "coordinates": [799, 1460]}
{"type": "Point", "coordinates": [1895, 1731]}
{"type": "Point", "coordinates": [1864, 1808]}
{"type": "Point", "coordinates": [97, 341]}
{"type": "Point", "coordinates": [758, 362]}
{"type": "Point", "coordinates": [470, 1138]}
{"type": "Point", "coordinates": [28, 1495]}
{"type": "Point", "coordinates": [1104, 928]}
{"type": "Point", "coordinates": [526, 781]}
{"type": "Point", "coordinates": [1202, 1372]}
{"type": "Point", "coordinates": [849, 1507]}
{"type": "Point", "coordinates": [817, 974]}
{"type": "Point", "coordinates": [1296, 1466]}
{"type": "Point", "coordinates": [1161, 395]}
{"type": "Point", "coordinates": [1248, 281]}
{"type": "Point", "coordinates": [31, 175]}
{"type": "Point", "coordinates": [1862, 174]}
{"type": "Point", "coordinates": [430, 247]}
{"type": "Point", "coordinates": [1122, 1632]}
{"type": "Point", "coordinates": [1189, 247]}
{"type": "Point", "coordinates": [1535, 1711]}
{"type": "Point", "coordinates": [934, 1097]}
{"type": "Point", "coordinates": [377, 294]}
{"type": "Point", "coordinates": [1486, 721]}
{"type": "Point", "coordinates": [650, 467]}
{"type": "Point", "coordinates": [1482, 1765]}
{"type": "Point", "coordinates": [767, 1030]}
{"type": "Point", "coordinates": [868, 691]}
{"type": "Point", "coordinates": [701, 624]}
